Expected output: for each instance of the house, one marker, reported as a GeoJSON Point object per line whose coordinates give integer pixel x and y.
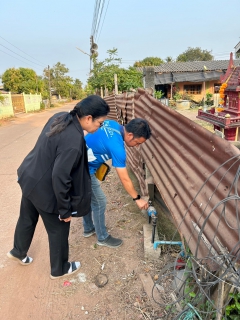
{"type": "Point", "coordinates": [195, 78]}
{"type": "Point", "coordinates": [237, 50]}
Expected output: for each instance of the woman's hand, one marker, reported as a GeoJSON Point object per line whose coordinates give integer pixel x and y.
{"type": "Point", "coordinates": [65, 220]}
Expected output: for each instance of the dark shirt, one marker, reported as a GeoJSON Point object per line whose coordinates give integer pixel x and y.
{"type": "Point", "coordinates": [55, 175]}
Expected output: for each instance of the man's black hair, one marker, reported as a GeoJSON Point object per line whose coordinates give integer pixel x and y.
{"type": "Point", "coordinates": [139, 128]}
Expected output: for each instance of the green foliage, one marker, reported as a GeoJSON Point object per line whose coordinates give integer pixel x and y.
{"type": "Point", "coordinates": [102, 74]}
{"type": "Point", "coordinates": [42, 106]}
{"type": "Point", "coordinates": [1, 98]}
{"type": "Point", "coordinates": [209, 100]}
{"type": "Point", "coordinates": [181, 96]}
{"type": "Point", "coordinates": [233, 309]}
{"type": "Point", "coordinates": [60, 82]}
{"type": "Point", "coordinates": [169, 59]}
{"type": "Point", "coordinates": [149, 61]}
{"type": "Point", "coordinates": [77, 91]}
{"type": "Point", "coordinates": [195, 54]}
{"type": "Point", "coordinates": [11, 80]}
{"type": "Point", "coordinates": [21, 80]}
{"type": "Point", "coordinates": [158, 94]}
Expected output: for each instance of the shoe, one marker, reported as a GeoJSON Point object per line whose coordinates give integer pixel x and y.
{"type": "Point", "coordinates": [110, 242]}
{"type": "Point", "coordinates": [89, 233]}
{"type": "Point", "coordinates": [74, 267]}
{"type": "Point", "coordinates": [24, 262]}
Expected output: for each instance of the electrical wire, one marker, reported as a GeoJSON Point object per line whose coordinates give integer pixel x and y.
{"type": "Point", "coordinates": [21, 56]}
{"type": "Point", "coordinates": [95, 17]}
{"type": "Point", "coordinates": [19, 49]}
{"type": "Point", "coordinates": [99, 19]}
{"type": "Point", "coordinates": [18, 59]}
{"type": "Point", "coordinates": [97, 23]}
{"type": "Point", "coordinates": [103, 21]}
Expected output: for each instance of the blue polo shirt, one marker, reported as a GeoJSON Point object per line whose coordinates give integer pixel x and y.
{"type": "Point", "coordinates": [104, 144]}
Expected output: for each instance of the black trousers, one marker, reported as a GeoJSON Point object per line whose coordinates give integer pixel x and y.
{"type": "Point", "coordinates": [58, 232]}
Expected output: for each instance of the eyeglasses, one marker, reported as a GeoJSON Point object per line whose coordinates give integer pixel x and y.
{"type": "Point", "coordinates": [100, 123]}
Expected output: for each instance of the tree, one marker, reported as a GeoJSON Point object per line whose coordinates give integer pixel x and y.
{"type": "Point", "coordinates": [149, 61]}
{"type": "Point", "coordinates": [102, 74]}
{"type": "Point", "coordinates": [59, 80]}
{"type": "Point", "coordinates": [195, 54]}
{"type": "Point", "coordinates": [21, 80]}
{"type": "Point", "coordinates": [169, 59]}
{"type": "Point", "coordinates": [11, 80]}
{"type": "Point", "coordinates": [77, 91]}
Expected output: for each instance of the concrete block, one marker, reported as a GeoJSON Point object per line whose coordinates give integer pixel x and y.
{"type": "Point", "coordinates": [153, 294]}
{"type": "Point", "coordinates": [149, 252]}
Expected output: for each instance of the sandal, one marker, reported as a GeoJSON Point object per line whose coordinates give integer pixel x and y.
{"type": "Point", "coordinates": [74, 267]}
{"type": "Point", "coordinates": [24, 262]}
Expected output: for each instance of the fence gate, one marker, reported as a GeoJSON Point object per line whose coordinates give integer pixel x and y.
{"type": "Point", "coordinates": [18, 103]}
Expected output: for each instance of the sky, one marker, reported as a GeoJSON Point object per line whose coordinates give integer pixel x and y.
{"type": "Point", "coordinates": [35, 34]}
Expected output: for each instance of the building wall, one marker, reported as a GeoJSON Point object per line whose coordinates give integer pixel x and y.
{"type": "Point", "coordinates": [149, 75]}
{"type": "Point", "coordinates": [6, 108]}
{"type": "Point", "coordinates": [209, 87]}
{"type": "Point", "coordinates": [32, 102]}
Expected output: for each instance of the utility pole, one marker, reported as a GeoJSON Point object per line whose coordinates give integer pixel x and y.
{"type": "Point", "coordinates": [116, 83]}
{"type": "Point", "coordinates": [49, 85]}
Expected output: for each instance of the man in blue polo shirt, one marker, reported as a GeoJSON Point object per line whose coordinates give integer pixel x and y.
{"type": "Point", "coordinates": [108, 142]}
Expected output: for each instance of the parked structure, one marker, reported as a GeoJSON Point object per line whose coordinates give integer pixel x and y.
{"type": "Point", "coordinates": [195, 78]}
{"type": "Point", "coordinates": [228, 119]}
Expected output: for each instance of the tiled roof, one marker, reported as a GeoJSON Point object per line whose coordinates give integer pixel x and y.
{"type": "Point", "coordinates": [192, 66]}
{"type": "Point", "coordinates": [233, 81]}
{"type": "Point", "coordinates": [237, 45]}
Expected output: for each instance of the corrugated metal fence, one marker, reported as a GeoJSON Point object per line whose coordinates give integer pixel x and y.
{"type": "Point", "coordinates": [195, 171]}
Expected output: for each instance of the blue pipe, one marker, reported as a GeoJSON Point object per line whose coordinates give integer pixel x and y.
{"type": "Point", "coordinates": [156, 243]}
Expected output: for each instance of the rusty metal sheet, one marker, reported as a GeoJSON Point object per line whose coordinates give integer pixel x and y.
{"type": "Point", "coordinates": [111, 101]}
{"type": "Point", "coordinates": [195, 171]}
{"type": "Point", "coordinates": [136, 163]}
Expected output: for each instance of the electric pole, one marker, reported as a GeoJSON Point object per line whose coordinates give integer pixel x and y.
{"type": "Point", "coordinates": [49, 86]}
{"type": "Point", "coordinates": [116, 83]}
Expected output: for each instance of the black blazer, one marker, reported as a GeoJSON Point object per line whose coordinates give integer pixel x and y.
{"type": "Point", "coordinates": [55, 175]}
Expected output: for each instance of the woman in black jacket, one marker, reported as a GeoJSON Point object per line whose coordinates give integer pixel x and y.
{"type": "Point", "coordinates": [56, 184]}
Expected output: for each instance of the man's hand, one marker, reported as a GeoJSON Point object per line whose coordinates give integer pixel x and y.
{"type": "Point", "coordinates": [142, 204]}
{"type": "Point", "coordinates": [128, 185]}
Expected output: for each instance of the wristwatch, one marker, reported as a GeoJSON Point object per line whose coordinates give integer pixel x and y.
{"type": "Point", "coordinates": [137, 197]}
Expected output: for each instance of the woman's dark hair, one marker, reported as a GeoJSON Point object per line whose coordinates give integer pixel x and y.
{"type": "Point", "coordinates": [139, 128]}
{"type": "Point", "coordinates": [93, 105]}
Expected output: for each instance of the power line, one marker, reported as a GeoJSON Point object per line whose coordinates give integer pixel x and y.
{"type": "Point", "coordinates": [19, 49]}
{"type": "Point", "coordinates": [21, 56]}
{"type": "Point", "coordinates": [16, 58]}
{"type": "Point", "coordinates": [99, 18]}
{"type": "Point", "coordinates": [95, 17]}
{"type": "Point", "coordinates": [103, 20]}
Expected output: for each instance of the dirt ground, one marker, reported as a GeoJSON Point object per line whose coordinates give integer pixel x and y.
{"type": "Point", "coordinates": [28, 293]}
